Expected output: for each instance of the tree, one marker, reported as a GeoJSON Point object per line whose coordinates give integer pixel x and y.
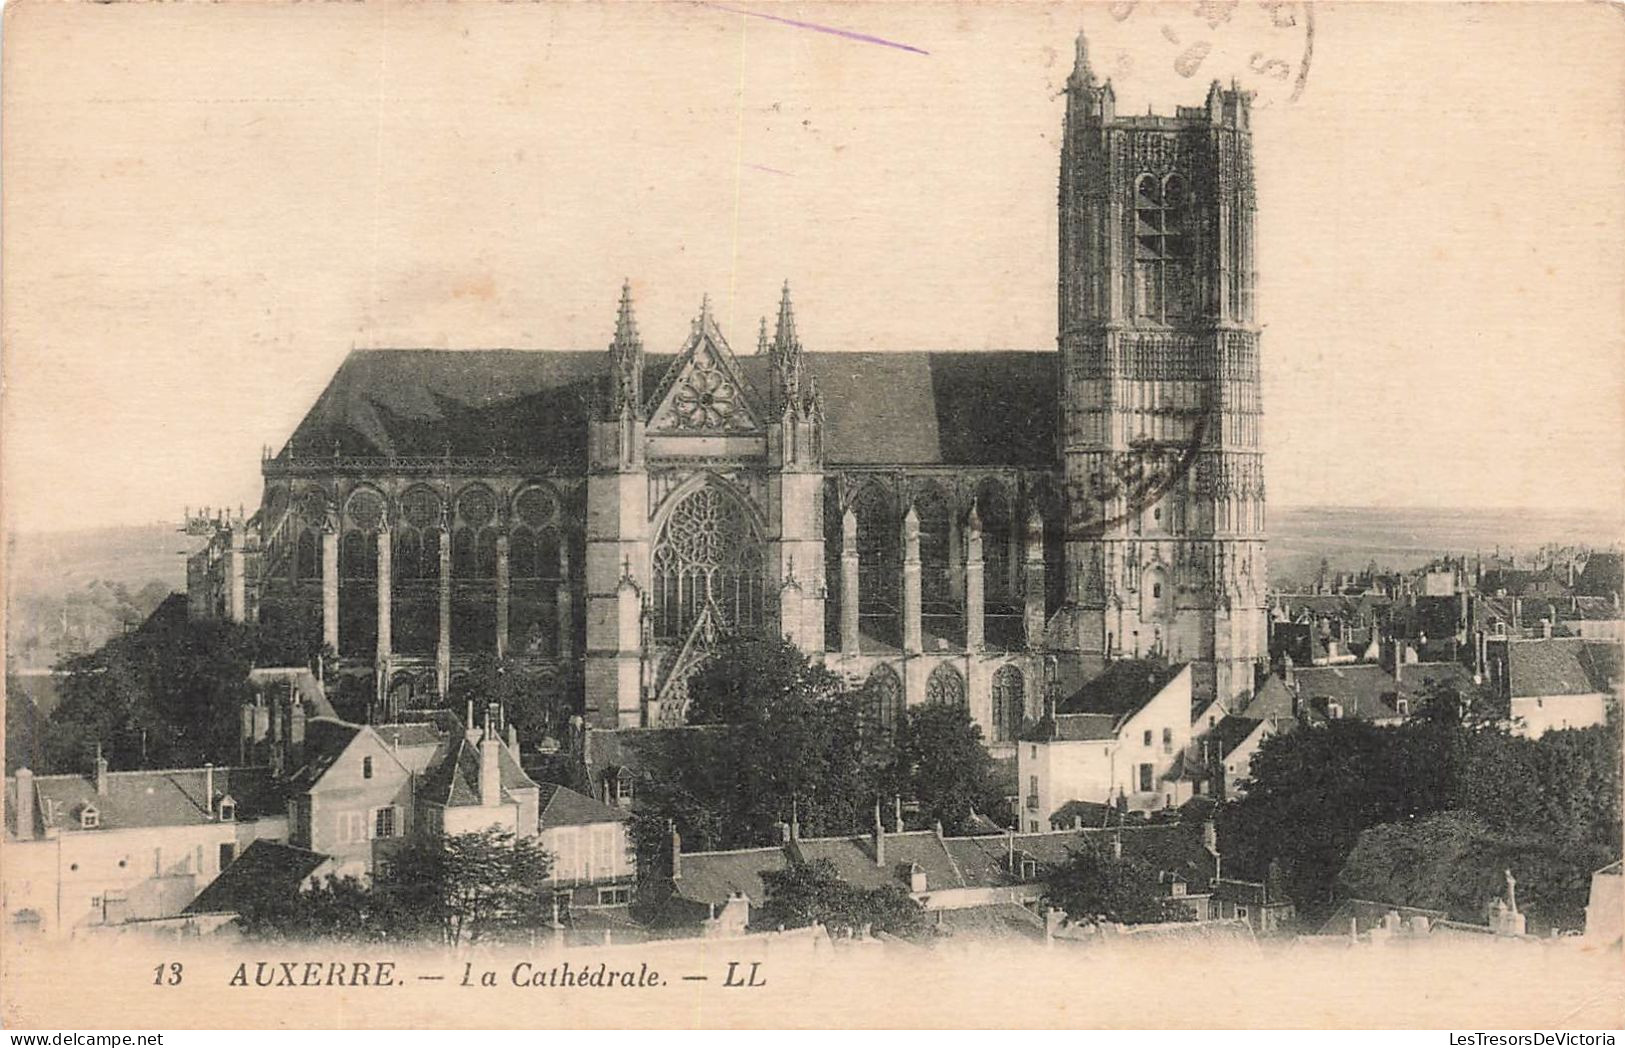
{"type": "Point", "coordinates": [943, 765]}
{"type": "Point", "coordinates": [530, 699]}
{"type": "Point", "coordinates": [1456, 862]}
{"type": "Point", "coordinates": [1096, 885]}
{"type": "Point", "coordinates": [775, 737]}
{"type": "Point", "coordinates": [804, 892]}
{"type": "Point", "coordinates": [471, 887]}
{"type": "Point", "coordinates": [338, 909]}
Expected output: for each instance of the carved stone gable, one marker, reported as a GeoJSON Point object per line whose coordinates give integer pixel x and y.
{"type": "Point", "coordinates": [704, 392]}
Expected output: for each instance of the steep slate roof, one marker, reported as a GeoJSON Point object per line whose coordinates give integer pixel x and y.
{"type": "Point", "coordinates": [1169, 847]}
{"type": "Point", "coordinates": [1074, 727]}
{"type": "Point", "coordinates": [1123, 688]}
{"type": "Point", "coordinates": [1567, 666]}
{"type": "Point", "coordinates": [455, 781]}
{"type": "Point", "coordinates": [1273, 699]}
{"type": "Point", "coordinates": [326, 739]}
{"type": "Point", "coordinates": [1603, 575]}
{"type": "Point", "coordinates": [561, 806]}
{"type": "Point", "coordinates": [912, 408]}
{"type": "Point", "coordinates": [176, 797]}
{"type": "Point", "coordinates": [712, 878]}
{"type": "Point", "coordinates": [854, 859]}
{"type": "Point", "coordinates": [1364, 691]}
{"type": "Point", "coordinates": [263, 869]}
{"type": "Point", "coordinates": [1232, 732]}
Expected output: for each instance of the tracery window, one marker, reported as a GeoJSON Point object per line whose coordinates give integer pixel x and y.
{"type": "Point", "coordinates": [884, 694]}
{"type": "Point", "coordinates": [1009, 706]}
{"type": "Point", "coordinates": [1162, 246]}
{"type": "Point", "coordinates": [879, 552]}
{"type": "Point", "coordinates": [946, 686]}
{"type": "Point", "coordinates": [705, 397]}
{"type": "Point", "coordinates": [707, 551]}
{"type": "Point", "coordinates": [936, 583]}
{"type": "Point", "coordinates": [308, 560]}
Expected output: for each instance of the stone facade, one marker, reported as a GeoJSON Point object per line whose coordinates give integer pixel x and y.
{"type": "Point", "coordinates": [969, 527]}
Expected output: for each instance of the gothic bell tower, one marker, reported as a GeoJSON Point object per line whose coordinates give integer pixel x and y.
{"type": "Point", "coordinates": [1158, 341]}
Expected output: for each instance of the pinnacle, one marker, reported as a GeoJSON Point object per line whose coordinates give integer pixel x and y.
{"type": "Point", "coordinates": [785, 337]}
{"type": "Point", "coordinates": [626, 325]}
{"type": "Point", "coordinates": [1082, 74]}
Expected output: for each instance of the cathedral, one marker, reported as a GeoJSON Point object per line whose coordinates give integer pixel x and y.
{"type": "Point", "coordinates": [984, 528]}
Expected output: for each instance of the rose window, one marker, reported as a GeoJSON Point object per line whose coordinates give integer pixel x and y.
{"type": "Point", "coordinates": [366, 510]}
{"type": "Point", "coordinates": [706, 399]}
{"type": "Point", "coordinates": [421, 507]}
{"type": "Point", "coordinates": [707, 552]}
{"type": "Point", "coordinates": [477, 507]}
{"type": "Point", "coordinates": [535, 506]}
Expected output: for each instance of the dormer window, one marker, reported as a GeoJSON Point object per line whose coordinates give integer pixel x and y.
{"type": "Point", "coordinates": [1334, 710]}
{"type": "Point", "coordinates": [1404, 707]}
{"type": "Point", "coordinates": [1029, 869]}
{"type": "Point", "coordinates": [623, 787]}
{"type": "Point", "coordinates": [89, 817]}
{"type": "Point", "coordinates": [228, 809]}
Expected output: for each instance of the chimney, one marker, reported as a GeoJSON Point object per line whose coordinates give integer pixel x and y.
{"type": "Point", "coordinates": [1516, 625]}
{"type": "Point", "coordinates": [879, 837]}
{"type": "Point", "coordinates": [490, 762]}
{"type": "Point", "coordinates": [1399, 659]}
{"type": "Point", "coordinates": [470, 732]}
{"type": "Point", "coordinates": [897, 812]}
{"type": "Point", "coordinates": [1117, 845]}
{"type": "Point", "coordinates": [917, 882]}
{"type": "Point", "coordinates": [676, 851]}
{"type": "Point", "coordinates": [101, 772]}
{"type": "Point", "coordinates": [784, 832]}
{"type": "Point", "coordinates": [208, 788]}
{"type": "Point", "coordinates": [513, 740]}
{"type": "Point", "coordinates": [25, 804]}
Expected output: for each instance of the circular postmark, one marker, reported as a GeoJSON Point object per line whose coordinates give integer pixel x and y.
{"type": "Point", "coordinates": [1146, 48]}
{"type": "Point", "coordinates": [1130, 480]}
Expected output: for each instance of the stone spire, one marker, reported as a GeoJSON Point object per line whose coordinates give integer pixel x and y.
{"type": "Point", "coordinates": [786, 356]}
{"type": "Point", "coordinates": [1082, 74]}
{"type": "Point", "coordinates": [626, 360]}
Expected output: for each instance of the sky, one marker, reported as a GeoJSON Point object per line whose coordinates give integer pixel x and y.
{"type": "Point", "coordinates": [206, 207]}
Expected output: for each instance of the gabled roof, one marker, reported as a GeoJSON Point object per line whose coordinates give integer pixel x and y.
{"type": "Point", "coordinates": [1273, 699]}
{"type": "Point", "coordinates": [1123, 687]}
{"type": "Point", "coordinates": [561, 806]}
{"type": "Point", "coordinates": [326, 739]}
{"type": "Point", "coordinates": [1232, 732]}
{"type": "Point", "coordinates": [455, 780]}
{"type": "Point", "coordinates": [264, 869]}
{"type": "Point", "coordinates": [138, 799]}
{"type": "Point", "coordinates": [1074, 727]}
{"type": "Point", "coordinates": [1174, 848]}
{"type": "Point", "coordinates": [854, 859]}
{"type": "Point", "coordinates": [712, 878]}
{"type": "Point", "coordinates": [1363, 691]}
{"type": "Point", "coordinates": [1564, 666]}
{"type": "Point", "coordinates": [913, 408]}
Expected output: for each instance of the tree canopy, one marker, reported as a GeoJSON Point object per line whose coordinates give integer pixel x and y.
{"type": "Point", "coordinates": [457, 890]}
{"type": "Point", "coordinates": [805, 892]}
{"type": "Point", "coordinates": [774, 736]}
{"type": "Point", "coordinates": [1097, 885]}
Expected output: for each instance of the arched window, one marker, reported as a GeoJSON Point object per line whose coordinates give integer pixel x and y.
{"type": "Point", "coordinates": [462, 553]}
{"type": "Point", "coordinates": [309, 563]}
{"type": "Point", "coordinates": [1161, 246]}
{"type": "Point", "coordinates": [1009, 704]}
{"type": "Point", "coordinates": [946, 686]}
{"type": "Point", "coordinates": [357, 556]}
{"type": "Point", "coordinates": [879, 552]}
{"type": "Point", "coordinates": [999, 581]}
{"type": "Point", "coordinates": [485, 555]}
{"type": "Point", "coordinates": [936, 585]}
{"type": "Point", "coordinates": [883, 693]}
{"type": "Point", "coordinates": [707, 551]}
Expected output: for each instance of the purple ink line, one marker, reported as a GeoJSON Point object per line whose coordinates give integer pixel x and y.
{"type": "Point", "coordinates": [815, 27]}
{"type": "Point", "coordinates": [769, 170]}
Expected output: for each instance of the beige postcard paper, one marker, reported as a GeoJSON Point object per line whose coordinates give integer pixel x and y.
{"type": "Point", "coordinates": [870, 514]}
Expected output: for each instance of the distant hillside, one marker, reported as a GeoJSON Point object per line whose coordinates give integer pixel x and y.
{"type": "Point", "coordinates": [1351, 537]}
{"type": "Point", "coordinates": [64, 588]}
{"type": "Point", "coordinates": [70, 590]}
